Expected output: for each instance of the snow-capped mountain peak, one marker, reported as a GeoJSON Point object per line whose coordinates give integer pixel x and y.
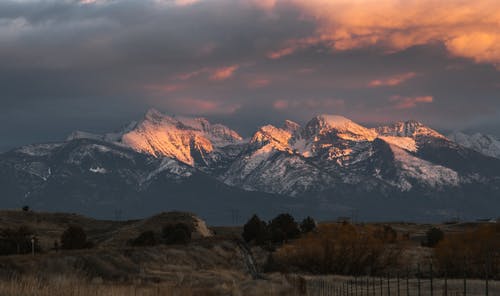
{"type": "Point", "coordinates": [410, 129]}
{"type": "Point", "coordinates": [190, 140]}
{"type": "Point", "coordinates": [276, 138]}
{"type": "Point", "coordinates": [330, 157]}
{"type": "Point", "coordinates": [344, 128]}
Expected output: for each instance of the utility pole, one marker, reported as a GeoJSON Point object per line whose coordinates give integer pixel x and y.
{"type": "Point", "coordinates": [235, 216]}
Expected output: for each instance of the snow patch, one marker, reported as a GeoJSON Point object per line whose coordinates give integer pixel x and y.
{"type": "Point", "coordinates": [180, 138]}
{"type": "Point", "coordinates": [411, 129]}
{"type": "Point", "coordinates": [172, 167]}
{"type": "Point", "coordinates": [406, 143]}
{"type": "Point", "coordinates": [485, 144]}
{"type": "Point", "coordinates": [38, 149]}
{"type": "Point", "coordinates": [424, 171]}
{"type": "Point", "coordinates": [98, 170]}
{"type": "Point", "coordinates": [347, 129]}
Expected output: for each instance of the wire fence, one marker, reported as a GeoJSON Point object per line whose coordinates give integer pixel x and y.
{"type": "Point", "coordinates": [419, 283]}
{"type": "Point", "coordinates": [375, 286]}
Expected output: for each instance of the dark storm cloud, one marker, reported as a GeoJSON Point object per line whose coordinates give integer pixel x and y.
{"type": "Point", "coordinates": [68, 65]}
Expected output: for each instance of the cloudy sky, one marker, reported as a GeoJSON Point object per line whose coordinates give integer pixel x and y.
{"type": "Point", "coordinates": [97, 64]}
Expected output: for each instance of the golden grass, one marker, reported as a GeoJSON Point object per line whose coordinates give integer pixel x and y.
{"type": "Point", "coordinates": [73, 286]}
{"type": "Point", "coordinates": [275, 284]}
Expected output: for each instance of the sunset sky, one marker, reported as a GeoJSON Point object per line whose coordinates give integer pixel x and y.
{"type": "Point", "coordinates": [97, 64]}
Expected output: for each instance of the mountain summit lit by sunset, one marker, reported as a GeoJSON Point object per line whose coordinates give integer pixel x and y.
{"type": "Point", "coordinates": [249, 147]}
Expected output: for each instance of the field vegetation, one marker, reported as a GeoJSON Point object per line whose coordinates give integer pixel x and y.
{"type": "Point", "coordinates": [177, 254]}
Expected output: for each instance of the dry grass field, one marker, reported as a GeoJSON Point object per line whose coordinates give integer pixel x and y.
{"type": "Point", "coordinates": [213, 263]}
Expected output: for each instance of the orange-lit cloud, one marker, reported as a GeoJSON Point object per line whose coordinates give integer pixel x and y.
{"type": "Point", "coordinates": [393, 80]}
{"type": "Point", "coordinates": [91, 1]}
{"type": "Point", "coordinates": [185, 2]}
{"type": "Point", "coordinates": [409, 102]}
{"type": "Point", "coordinates": [469, 29]}
{"type": "Point", "coordinates": [282, 52]}
{"type": "Point", "coordinates": [291, 46]}
{"type": "Point", "coordinates": [189, 75]}
{"type": "Point", "coordinates": [216, 74]}
{"type": "Point", "coordinates": [265, 4]}
{"type": "Point", "coordinates": [309, 104]}
{"type": "Point", "coordinates": [223, 73]}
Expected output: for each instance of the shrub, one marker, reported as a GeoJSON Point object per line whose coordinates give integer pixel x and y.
{"type": "Point", "coordinates": [146, 238]}
{"type": "Point", "coordinates": [74, 237]}
{"type": "Point", "coordinates": [433, 236]}
{"type": "Point", "coordinates": [179, 233]}
{"type": "Point", "coordinates": [307, 225]}
{"type": "Point", "coordinates": [255, 230]}
{"type": "Point", "coordinates": [26, 209]}
{"type": "Point", "coordinates": [283, 227]}
{"type": "Point", "coordinates": [386, 234]}
{"type": "Point", "coordinates": [477, 251]}
{"type": "Point", "coordinates": [338, 249]}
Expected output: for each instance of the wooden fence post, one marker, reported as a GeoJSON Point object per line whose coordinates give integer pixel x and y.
{"type": "Point", "coordinates": [446, 281]}
{"type": "Point", "coordinates": [399, 292]}
{"type": "Point", "coordinates": [407, 281]}
{"type": "Point", "coordinates": [465, 277]}
{"type": "Point", "coordinates": [432, 279]}
{"type": "Point", "coordinates": [388, 285]}
{"type": "Point", "coordinates": [486, 291]}
{"type": "Point", "coordinates": [418, 280]}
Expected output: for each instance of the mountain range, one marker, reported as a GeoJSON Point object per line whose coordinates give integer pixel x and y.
{"type": "Point", "coordinates": [329, 167]}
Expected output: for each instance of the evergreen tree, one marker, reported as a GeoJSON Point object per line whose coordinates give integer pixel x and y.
{"type": "Point", "coordinates": [255, 230]}
{"type": "Point", "coordinates": [283, 227]}
{"type": "Point", "coordinates": [74, 237]}
{"type": "Point", "coordinates": [433, 237]}
{"type": "Point", "coordinates": [308, 225]}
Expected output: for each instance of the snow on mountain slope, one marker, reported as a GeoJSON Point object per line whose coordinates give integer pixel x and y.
{"type": "Point", "coordinates": [410, 129]}
{"type": "Point", "coordinates": [296, 160]}
{"type": "Point", "coordinates": [108, 137]}
{"type": "Point", "coordinates": [405, 143]}
{"type": "Point", "coordinates": [344, 128]}
{"type": "Point", "coordinates": [335, 149]}
{"type": "Point", "coordinates": [272, 136]}
{"type": "Point", "coordinates": [172, 168]}
{"type": "Point", "coordinates": [190, 140]}
{"type": "Point", "coordinates": [276, 172]}
{"type": "Point", "coordinates": [331, 136]}
{"type": "Point", "coordinates": [38, 149]}
{"type": "Point", "coordinates": [485, 144]}
{"type": "Point", "coordinates": [328, 158]}
{"type": "Point", "coordinates": [425, 172]}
